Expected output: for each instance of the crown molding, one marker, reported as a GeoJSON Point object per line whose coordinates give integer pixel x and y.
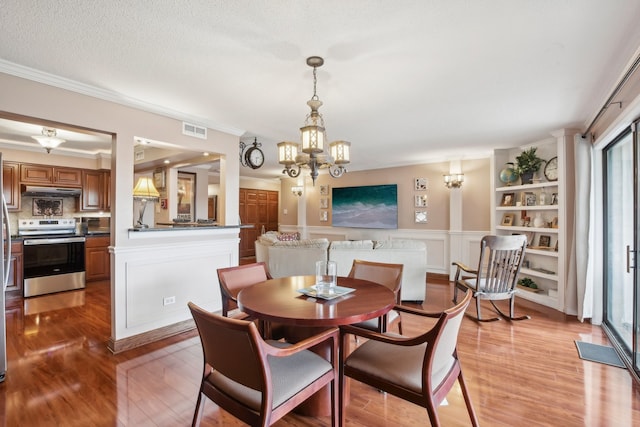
{"type": "Point", "coordinates": [118, 98]}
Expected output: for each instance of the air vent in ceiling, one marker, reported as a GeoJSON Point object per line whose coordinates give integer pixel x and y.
{"type": "Point", "coordinates": [194, 130]}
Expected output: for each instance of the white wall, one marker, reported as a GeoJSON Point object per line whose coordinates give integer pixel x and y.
{"type": "Point", "coordinates": [137, 294]}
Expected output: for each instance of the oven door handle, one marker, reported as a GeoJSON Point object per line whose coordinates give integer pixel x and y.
{"type": "Point", "coordinates": [31, 242]}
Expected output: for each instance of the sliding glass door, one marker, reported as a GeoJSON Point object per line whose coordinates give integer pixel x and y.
{"type": "Point", "coordinates": [621, 311]}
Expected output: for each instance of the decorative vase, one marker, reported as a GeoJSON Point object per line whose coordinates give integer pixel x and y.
{"type": "Point", "coordinates": [508, 174]}
{"type": "Point", "coordinates": [538, 221]}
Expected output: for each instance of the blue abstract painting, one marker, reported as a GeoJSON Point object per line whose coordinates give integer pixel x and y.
{"type": "Point", "coordinates": [372, 206]}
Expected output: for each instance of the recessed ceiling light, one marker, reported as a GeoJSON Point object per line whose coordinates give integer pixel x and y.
{"type": "Point", "coordinates": [166, 162]}
{"type": "Point", "coordinates": [205, 154]}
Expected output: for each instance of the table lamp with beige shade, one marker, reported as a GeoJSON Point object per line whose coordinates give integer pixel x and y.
{"type": "Point", "coordinates": [144, 191]}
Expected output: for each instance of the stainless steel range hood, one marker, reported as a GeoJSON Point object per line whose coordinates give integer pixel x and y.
{"type": "Point", "coordinates": [39, 191]}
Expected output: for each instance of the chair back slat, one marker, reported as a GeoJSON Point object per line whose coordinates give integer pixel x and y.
{"type": "Point", "coordinates": [500, 262]}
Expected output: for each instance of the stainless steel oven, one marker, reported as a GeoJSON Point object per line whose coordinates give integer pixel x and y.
{"type": "Point", "coordinates": [53, 256]}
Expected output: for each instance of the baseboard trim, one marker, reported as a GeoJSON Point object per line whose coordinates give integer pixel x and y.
{"type": "Point", "coordinates": [439, 278]}
{"type": "Point", "coordinates": [129, 343]}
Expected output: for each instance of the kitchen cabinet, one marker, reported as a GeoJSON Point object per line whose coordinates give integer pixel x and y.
{"type": "Point", "coordinates": [42, 174]}
{"type": "Point", "coordinates": [96, 190]}
{"type": "Point", "coordinates": [97, 258]}
{"type": "Point", "coordinates": [11, 184]}
{"type": "Point", "coordinates": [14, 284]}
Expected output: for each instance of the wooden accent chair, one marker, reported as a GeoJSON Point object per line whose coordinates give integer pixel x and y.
{"type": "Point", "coordinates": [420, 369]}
{"type": "Point", "coordinates": [260, 381]}
{"type": "Point", "coordinates": [497, 273]}
{"type": "Point", "coordinates": [389, 275]}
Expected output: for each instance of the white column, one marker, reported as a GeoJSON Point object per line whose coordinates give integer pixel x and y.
{"type": "Point", "coordinates": [455, 218]}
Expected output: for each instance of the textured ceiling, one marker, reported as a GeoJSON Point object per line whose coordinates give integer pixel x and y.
{"type": "Point", "coordinates": [405, 81]}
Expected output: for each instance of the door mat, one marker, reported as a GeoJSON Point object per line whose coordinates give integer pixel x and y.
{"type": "Point", "coordinates": [599, 353]}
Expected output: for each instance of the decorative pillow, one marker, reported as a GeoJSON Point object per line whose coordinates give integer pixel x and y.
{"type": "Point", "coordinates": [287, 237]}
{"type": "Point", "coordinates": [268, 239]}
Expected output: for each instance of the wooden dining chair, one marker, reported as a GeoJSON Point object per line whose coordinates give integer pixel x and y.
{"type": "Point", "coordinates": [233, 279]}
{"type": "Point", "coordinates": [496, 276]}
{"type": "Point", "coordinates": [389, 275]}
{"type": "Point", "coordinates": [420, 369]}
{"type": "Point", "coordinates": [260, 381]}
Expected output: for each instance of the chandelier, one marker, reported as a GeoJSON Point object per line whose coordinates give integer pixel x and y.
{"type": "Point", "coordinates": [48, 139]}
{"type": "Point", "coordinates": [312, 153]}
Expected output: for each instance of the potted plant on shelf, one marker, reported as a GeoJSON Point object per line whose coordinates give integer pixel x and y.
{"type": "Point", "coordinates": [528, 284]}
{"type": "Point", "coordinates": [528, 164]}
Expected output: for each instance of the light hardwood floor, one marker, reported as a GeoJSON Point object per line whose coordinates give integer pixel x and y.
{"type": "Point", "coordinates": [60, 373]}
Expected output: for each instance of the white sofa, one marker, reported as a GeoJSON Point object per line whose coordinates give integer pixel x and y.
{"type": "Point", "coordinates": [411, 253]}
{"type": "Point", "coordinates": [298, 257]}
{"type": "Point", "coordinates": [290, 258]}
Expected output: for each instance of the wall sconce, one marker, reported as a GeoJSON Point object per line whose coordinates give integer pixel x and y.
{"type": "Point", "coordinates": [296, 190]}
{"type": "Point", "coordinates": [454, 180]}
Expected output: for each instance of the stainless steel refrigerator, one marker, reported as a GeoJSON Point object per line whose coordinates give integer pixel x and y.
{"type": "Point", "coordinates": [5, 256]}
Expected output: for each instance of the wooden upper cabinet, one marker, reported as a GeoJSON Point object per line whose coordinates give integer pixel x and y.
{"type": "Point", "coordinates": [92, 190]}
{"type": "Point", "coordinates": [41, 174]}
{"type": "Point", "coordinates": [36, 174]}
{"type": "Point", "coordinates": [11, 184]}
{"type": "Point", "coordinates": [67, 177]}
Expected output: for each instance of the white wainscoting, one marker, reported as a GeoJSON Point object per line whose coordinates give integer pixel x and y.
{"type": "Point", "coordinates": [443, 246]}
{"type": "Point", "coordinates": [161, 268]}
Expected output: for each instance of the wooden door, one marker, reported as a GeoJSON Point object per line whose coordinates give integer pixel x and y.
{"type": "Point", "coordinates": [258, 208]}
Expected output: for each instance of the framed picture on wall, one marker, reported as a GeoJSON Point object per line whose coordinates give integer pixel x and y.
{"type": "Point", "coordinates": [324, 190]}
{"type": "Point", "coordinates": [421, 201]}
{"type": "Point", "coordinates": [421, 184]}
{"type": "Point", "coordinates": [420, 217]}
{"type": "Point", "coordinates": [324, 203]}
{"type": "Point", "coordinates": [324, 216]}
{"type": "Point", "coordinates": [159, 179]}
{"type": "Point", "coordinates": [186, 196]}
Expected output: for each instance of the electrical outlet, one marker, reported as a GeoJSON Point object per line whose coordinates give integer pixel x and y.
{"type": "Point", "coordinates": [169, 300]}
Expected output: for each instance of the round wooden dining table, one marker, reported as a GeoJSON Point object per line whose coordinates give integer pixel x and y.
{"type": "Point", "coordinates": [279, 301]}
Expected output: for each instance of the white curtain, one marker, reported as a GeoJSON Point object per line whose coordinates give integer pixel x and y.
{"type": "Point", "coordinates": [581, 275]}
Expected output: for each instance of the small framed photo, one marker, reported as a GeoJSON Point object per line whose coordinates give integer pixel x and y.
{"type": "Point", "coordinates": [324, 216]}
{"type": "Point", "coordinates": [324, 190]}
{"type": "Point", "coordinates": [544, 241]}
{"type": "Point", "coordinates": [554, 222]}
{"type": "Point", "coordinates": [159, 179]}
{"type": "Point", "coordinates": [421, 201]}
{"type": "Point", "coordinates": [554, 198]}
{"type": "Point", "coordinates": [530, 236]}
{"type": "Point", "coordinates": [507, 219]}
{"type": "Point", "coordinates": [526, 221]}
{"type": "Point", "coordinates": [530, 199]}
{"type": "Point", "coordinates": [508, 199]}
{"type": "Point", "coordinates": [324, 203]}
{"type": "Point", "coordinates": [421, 216]}
{"type": "Point", "coordinates": [421, 184]}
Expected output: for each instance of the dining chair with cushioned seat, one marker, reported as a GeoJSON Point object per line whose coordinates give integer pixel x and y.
{"type": "Point", "coordinates": [389, 275]}
{"type": "Point", "coordinates": [260, 381]}
{"type": "Point", "coordinates": [232, 280]}
{"type": "Point", "coordinates": [496, 276]}
{"type": "Point", "coordinates": [420, 369]}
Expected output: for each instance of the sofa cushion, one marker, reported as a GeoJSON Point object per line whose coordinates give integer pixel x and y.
{"type": "Point", "coordinates": [352, 244]}
{"type": "Point", "coordinates": [304, 243]}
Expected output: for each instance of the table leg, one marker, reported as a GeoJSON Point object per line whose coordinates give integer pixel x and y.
{"type": "Point", "coordinates": [318, 405]}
